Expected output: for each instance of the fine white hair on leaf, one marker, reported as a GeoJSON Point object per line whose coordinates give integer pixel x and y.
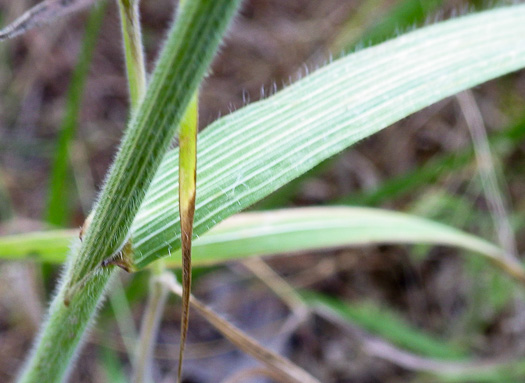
{"type": "Point", "coordinates": [43, 13]}
{"type": "Point", "coordinates": [245, 97]}
{"type": "Point", "coordinates": [274, 88]}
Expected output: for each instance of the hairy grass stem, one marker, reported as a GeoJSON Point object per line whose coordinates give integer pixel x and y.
{"type": "Point", "coordinates": [185, 58]}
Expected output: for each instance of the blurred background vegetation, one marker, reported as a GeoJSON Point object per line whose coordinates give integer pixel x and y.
{"type": "Point", "coordinates": [64, 85]}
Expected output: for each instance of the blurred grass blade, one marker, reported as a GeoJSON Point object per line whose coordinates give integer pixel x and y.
{"type": "Point", "coordinates": [486, 372]}
{"type": "Point", "coordinates": [446, 370]}
{"type": "Point", "coordinates": [405, 14]}
{"type": "Point", "coordinates": [43, 13]}
{"type": "Point", "coordinates": [133, 50]}
{"type": "Point", "coordinates": [502, 141]}
{"type": "Point", "coordinates": [284, 368]}
{"type": "Point", "coordinates": [495, 191]}
{"type": "Point", "coordinates": [187, 192]}
{"type": "Point", "coordinates": [249, 154]}
{"type": "Point", "coordinates": [289, 230]}
{"type": "Point", "coordinates": [6, 209]}
{"type": "Point", "coordinates": [153, 313]}
{"type": "Point", "coordinates": [111, 366]}
{"type": "Point", "coordinates": [58, 211]}
{"type": "Point", "coordinates": [388, 325]}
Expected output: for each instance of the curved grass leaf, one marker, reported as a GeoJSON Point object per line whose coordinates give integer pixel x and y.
{"type": "Point", "coordinates": [44, 246]}
{"type": "Point", "coordinates": [249, 154]}
{"type": "Point", "coordinates": [303, 229]}
{"type": "Point", "coordinates": [285, 231]}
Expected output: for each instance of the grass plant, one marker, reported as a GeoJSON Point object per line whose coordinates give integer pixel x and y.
{"type": "Point", "coordinates": [147, 209]}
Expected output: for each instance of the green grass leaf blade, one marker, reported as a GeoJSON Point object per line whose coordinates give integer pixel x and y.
{"type": "Point", "coordinates": [285, 231]}
{"type": "Point", "coordinates": [112, 367]}
{"type": "Point", "coordinates": [402, 16]}
{"type": "Point", "coordinates": [57, 207]}
{"type": "Point", "coordinates": [293, 230]}
{"type": "Point", "coordinates": [511, 372]}
{"type": "Point", "coordinates": [249, 154]}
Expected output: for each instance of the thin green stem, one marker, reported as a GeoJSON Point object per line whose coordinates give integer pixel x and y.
{"type": "Point", "coordinates": [123, 315]}
{"type": "Point", "coordinates": [133, 50]}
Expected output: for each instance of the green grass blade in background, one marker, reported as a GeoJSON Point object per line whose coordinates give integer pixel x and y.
{"type": "Point", "coordinates": [6, 209]}
{"type": "Point", "coordinates": [441, 362]}
{"type": "Point", "coordinates": [510, 372]}
{"type": "Point", "coordinates": [249, 154]}
{"type": "Point", "coordinates": [405, 14]}
{"type": "Point", "coordinates": [45, 246]}
{"type": "Point", "coordinates": [133, 50]}
{"type": "Point", "coordinates": [58, 205]}
{"type": "Point", "coordinates": [112, 366]}
{"type": "Point", "coordinates": [388, 325]}
{"type": "Point", "coordinates": [502, 142]}
{"type": "Point", "coordinates": [284, 231]}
